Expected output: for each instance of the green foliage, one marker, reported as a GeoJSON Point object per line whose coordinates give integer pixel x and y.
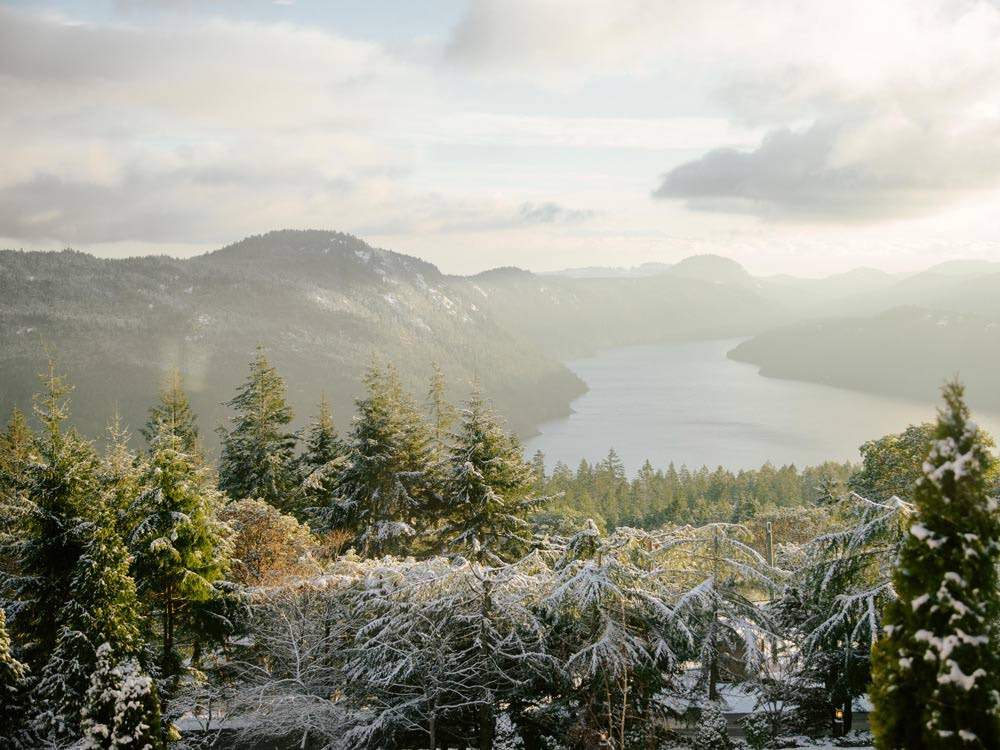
{"type": "Point", "coordinates": [389, 486]}
{"type": "Point", "coordinates": [890, 465]}
{"type": "Point", "coordinates": [173, 414]}
{"type": "Point", "coordinates": [937, 670]}
{"type": "Point", "coordinates": [258, 453]}
{"type": "Point", "coordinates": [488, 488]}
{"type": "Point", "coordinates": [47, 529]}
{"type": "Point", "coordinates": [13, 689]}
{"type": "Point", "coordinates": [180, 547]}
{"type": "Point", "coordinates": [656, 497]}
{"type": "Point", "coordinates": [319, 465]}
{"type": "Point", "coordinates": [102, 610]}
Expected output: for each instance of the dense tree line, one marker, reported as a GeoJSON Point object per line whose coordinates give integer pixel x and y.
{"type": "Point", "coordinates": [414, 582]}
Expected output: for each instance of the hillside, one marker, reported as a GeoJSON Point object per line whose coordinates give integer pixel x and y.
{"type": "Point", "coordinates": [323, 303]}
{"type": "Point", "coordinates": [907, 351]}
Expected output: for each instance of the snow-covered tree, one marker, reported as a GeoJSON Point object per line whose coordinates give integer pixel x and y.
{"type": "Point", "coordinates": [388, 489]}
{"type": "Point", "coordinates": [46, 524]}
{"type": "Point", "coordinates": [102, 609]}
{"type": "Point", "coordinates": [712, 732]}
{"type": "Point", "coordinates": [445, 642]}
{"type": "Point", "coordinates": [180, 548]}
{"type": "Point", "coordinates": [937, 670]}
{"type": "Point", "coordinates": [121, 710]}
{"type": "Point", "coordinates": [719, 574]}
{"type": "Point", "coordinates": [615, 631]}
{"type": "Point", "coordinates": [488, 488]}
{"type": "Point", "coordinates": [833, 608]}
{"type": "Point", "coordinates": [258, 452]}
{"type": "Point", "coordinates": [323, 458]}
{"type": "Point", "coordinates": [13, 691]}
{"type": "Point", "coordinates": [172, 413]}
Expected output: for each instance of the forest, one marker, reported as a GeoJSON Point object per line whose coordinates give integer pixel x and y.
{"type": "Point", "coordinates": [413, 581]}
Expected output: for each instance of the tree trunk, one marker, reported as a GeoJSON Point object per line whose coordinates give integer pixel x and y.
{"type": "Point", "coordinates": [486, 726]}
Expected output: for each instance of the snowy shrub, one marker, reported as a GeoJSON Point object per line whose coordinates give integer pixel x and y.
{"type": "Point", "coordinates": [713, 732]}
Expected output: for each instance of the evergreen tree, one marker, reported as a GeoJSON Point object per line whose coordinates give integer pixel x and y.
{"type": "Point", "coordinates": [937, 670]}
{"type": "Point", "coordinates": [13, 691]}
{"type": "Point", "coordinates": [442, 414]}
{"type": "Point", "coordinates": [121, 710]}
{"type": "Point", "coordinates": [120, 476]}
{"type": "Point", "coordinates": [488, 488]}
{"type": "Point", "coordinates": [320, 462]}
{"type": "Point", "coordinates": [58, 494]}
{"type": "Point", "coordinates": [180, 548]}
{"type": "Point", "coordinates": [173, 413]}
{"type": "Point", "coordinates": [388, 489]}
{"type": "Point", "coordinates": [258, 452]}
{"type": "Point", "coordinates": [103, 609]}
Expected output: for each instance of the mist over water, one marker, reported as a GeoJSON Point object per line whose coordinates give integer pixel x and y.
{"type": "Point", "coordinates": [687, 403]}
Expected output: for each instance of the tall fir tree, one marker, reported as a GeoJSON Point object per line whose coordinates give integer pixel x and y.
{"type": "Point", "coordinates": [173, 412]}
{"type": "Point", "coordinates": [58, 494]}
{"type": "Point", "coordinates": [258, 453]}
{"type": "Point", "coordinates": [103, 610]}
{"type": "Point", "coordinates": [488, 488]}
{"type": "Point", "coordinates": [321, 461]}
{"type": "Point", "coordinates": [937, 669]}
{"type": "Point", "coordinates": [389, 487]}
{"type": "Point", "coordinates": [180, 548]}
{"type": "Point", "coordinates": [442, 414]}
{"type": "Point", "coordinates": [13, 691]}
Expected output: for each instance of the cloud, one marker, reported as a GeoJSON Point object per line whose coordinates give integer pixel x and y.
{"type": "Point", "coordinates": [867, 168]}
{"type": "Point", "coordinates": [551, 213]}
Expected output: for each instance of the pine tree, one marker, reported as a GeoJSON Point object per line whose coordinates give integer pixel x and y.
{"type": "Point", "coordinates": [937, 670]}
{"type": "Point", "coordinates": [121, 710]}
{"type": "Point", "coordinates": [488, 488]}
{"type": "Point", "coordinates": [173, 413]}
{"type": "Point", "coordinates": [320, 463]}
{"type": "Point", "coordinates": [58, 493]}
{"type": "Point", "coordinates": [442, 414]}
{"type": "Point", "coordinates": [258, 458]}
{"type": "Point", "coordinates": [180, 548]}
{"type": "Point", "coordinates": [13, 691]}
{"type": "Point", "coordinates": [388, 488]}
{"type": "Point", "coordinates": [103, 609]}
{"type": "Point", "coordinates": [120, 475]}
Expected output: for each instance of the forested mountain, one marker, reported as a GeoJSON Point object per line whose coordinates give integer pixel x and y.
{"type": "Point", "coordinates": [907, 351]}
{"type": "Point", "coordinates": [323, 304]}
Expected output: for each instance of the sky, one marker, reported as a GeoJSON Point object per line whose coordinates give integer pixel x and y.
{"type": "Point", "coordinates": [800, 137]}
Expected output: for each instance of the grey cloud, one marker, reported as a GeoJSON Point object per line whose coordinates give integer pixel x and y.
{"type": "Point", "coordinates": [812, 174]}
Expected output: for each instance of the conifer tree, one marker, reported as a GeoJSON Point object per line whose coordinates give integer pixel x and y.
{"type": "Point", "coordinates": [57, 497]}
{"type": "Point", "coordinates": [121, 710]}
{"type": "Point", "coordinates": [388, 487]}
{"type": "Point", "coordinates": [180, 548]}
{"type": "Point", "coordinates": [937, 670]}
{"type": "Point", "coordinates": [488, 488]}
{"type": "Point", "coordinates": [442, 414]}
{"type": "Point", "coordinates": [258, 458]}
{"type": "Point", "coordinates": [321, 461]}
{"type": "Point", "coordinates": [103, 609]}
{"type": "Point", "coordinates": [173, 412]}
{"type": "Point", "coordinates": [13, 691]}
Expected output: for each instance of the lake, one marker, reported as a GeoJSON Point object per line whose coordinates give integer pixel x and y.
{"type": "Point", "coordinates": [689, 404]}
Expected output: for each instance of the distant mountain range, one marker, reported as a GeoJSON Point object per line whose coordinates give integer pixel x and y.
{"type": "Point", "coordinates": [324, 303]}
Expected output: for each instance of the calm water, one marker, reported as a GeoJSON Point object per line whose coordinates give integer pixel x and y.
{"type": "Point", "coordinates": [689, 404]}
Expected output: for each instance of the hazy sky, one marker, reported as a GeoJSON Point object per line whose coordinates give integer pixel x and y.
{"type": "Point", "coordinates": [794, 136]}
